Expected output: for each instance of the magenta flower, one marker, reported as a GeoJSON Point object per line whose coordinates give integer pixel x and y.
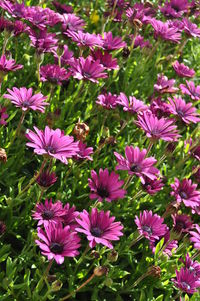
{"type": "Point", "coordinates": [106, 186]}
{"type": "Point", "coordinates": [87, 69]}
{"type": "Point", "coordinates": [191, 29]}
{"type": "Point", "coordinates": [72, 22]}
{"type": "Point", "coordinates": [105, 59]}
{"type": "Point", "coordinates": [46, 179]}
{"type": "Point", "coordinates": [185, 111]}
{"type": "Point", "coordinates": [62, 8]}
{"type": "Point", "coordinates": [136, 163]}
{"type": "Point", "coordinates": [112, 43]}
{"type": "Point", "coordinates": [23, 98]}
{"type": "Point", "coordinates": [155, 128]}
{"type": "Point", "coordinates": [48, 212]}
{"type": "Point", "coordinates": [108, 101]}
{"type": "Point", "coordinates": [165, 85]}
{"type": "Point", "coordinates": [69, 217]}
{"type": "Point", "coordinates": [195, 237]}
{"type": "Point", "coordinates": [84, 152]}
{"type": "Point", "coordinates": [186, 281]}
{"type": "Point", "coordinates": [8, 65]}
{"type": "Point", "coordinates": [99, 227]}
{"type": "Point", "coordinates": [169, 245]}
{"type": "Point", "coordinates": [54, 74]}
{"type": "Point", "coordinates": [132, 105]}
{"type": "Point", "coordinates": [165, 31]}
{"type": "Point", "coordinates": [16, 10]}
{"type": "Point", "coordinates": [175, 8]}
{"type": "Point", "coordinates": [191, 90]}
{"type": "Point", "coordinates": [186, 192]}
{"type": "Point", "coordinates": [140, 42]}
{"type": "Point", "coordinates": [57, 242]}
{"type": "Point", "coordinates": [52, 143]}
{"type": "Point", "coordinates": [152, 186]}
{"type": "Point", "coordinates": [193, 266]}
{"type": "Point", "coordinates": [150, 225]}
{"type": "Point", "coordinates": [84, 39]}
{"type": "Point", "coordinates": [182, 223]}
{"type": "Point", "coordinates": [65, 57]}
{"type": "Point", "coordinates": [159, 108]}
{"type": "Point", "coordinates": [3, 116]}
{"type": "Point", "coordinates": [43, 41]}
{"type": "Point", "coordinates": [182, 70]}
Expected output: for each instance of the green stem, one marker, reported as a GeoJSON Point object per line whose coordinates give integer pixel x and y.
{"type": "Point", "coordinates": [81, 258]}
{"type": "Point", "coordinates": [135, 240]}
{"type": "Point", "coordinates": [128, 181]}
{"type": "Point", "coordinates": [18, 128]}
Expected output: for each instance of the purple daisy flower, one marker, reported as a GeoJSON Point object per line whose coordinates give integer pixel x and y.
{"type": "Point", "coordinates": [85, 39]}
{"type": "Point", "coordinates": [8, 65]}
{"type": "Point", "coordinates": [182, 223]}
{"type": "Point", "coordinates": [54, 74]}
{"type": "Point", "coordinates": [165, 85]}
{"type": "Point", "coordinates": [175, 8]}
{"type": "Point", "coordinates": [159, 108]}
{"type": "Point", "coordinates": [66, 56]}
{"type": "Point", "coordinates": [150, 225]}
{"type": "Point", "coordinates": [69, 217]}
{"type": "Point", "coordinates": [112, 43]}
{"type": "Point", "coordinates": [57, 242]}
{"type": "Point", "coordinates": [105, 59]}
{"type": "Point", "coordinates": [3, 116]}
{"type": "Point", "coordinates": [108, 101]}
{"type": "Point", "coordinates": [191, 29]}
{"type": "Point", "coordinates": [84, 152]}
{"type": "Point", "coordinates": [16, 10]}
{"type": "Point", "coordinates": [140, 42]}
{"type": "Point", "coordinates": [152, 186]}
{"type": "Point", "coordinates": [106, 186]}
{"type": "Point", "coordinates": [185, 191]}
{"type": "Point", "coordinates": [72, 22]}
{"type": "Point", "coordinates": [62, 8]}
{"type": "Point", "coordinates": [169, 245]}
{"type": "Point", "coordinates": [43, 41]}
{"type": "Point", "coordinates": [46, 179]}
{"type": "Point", "coordinates": [182, 70]}
{"type": "Point", "coordinates": [191, 90]}
{"type": "Point", "coordinates": [99, 227]}
{"type": "Point", "coordinates": [195, 237]}
{"type": "Point", "coordinates": [192, 266]}
{"type": "Point", "coordinates": [156, 129]}
{"type": "Point", "coordinates": [165, 31]}
{"type": "Point", "coordinates": [23, 98]}
{"type": "Point", "coordinates": [52, 143]}
{"type": "Point", "coordinates": [185, 111]}
{"type": "Point", "coordinates": [136, 163]}
{"type": "Point", "coordinates": [131, 105]}
{"type": "Point", "coordinates": [87, 69]}
{"type": "Point", "coordinates": [48, 212]}
{"type": "Point", "coordinates": [186, 281]}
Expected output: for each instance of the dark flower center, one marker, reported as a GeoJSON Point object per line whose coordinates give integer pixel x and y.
{"type": "Point", "coordinates": [147, 229]}
{"type": "Point", "coordinates": [155, 132]}
{"type": "Point", "coordinates": [179, 112]}
{"type": "Point", "coordinates": [86, 74]}
{"type": "Point", "coordinates": [103, 192]}
{"type": "Point", "coordinates": [56, 248]}
{"type": "Point", "coordinates": [183, 194]}
{"type": "Point", "coordinates": [96, 231]}
{"type": "Point", "coordinates": [26, 104]}
{"type": "Point", "coordinates": [175, 7]}
{"type": "Point", "coordinates": [50, 149]}
{"type": "Point", "coordinates": [48, 214]}
{"type": "Point", "coordinates": [135, 168]}
{"type": "Point", "coordinates": [186, 285]}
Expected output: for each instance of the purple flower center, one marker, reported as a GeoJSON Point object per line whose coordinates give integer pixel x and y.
{"type": "Point", "coordinates": [175, 7]}
{"type": "Point", "coordinates": [183, 194]}
{"type": "Point", "coordinates": [96, 231]}
{"type": "Point", "coordinates": [135, 168]}
{"type": "Point", "coordinates": [155, 132]}
{"type": "Point", "coordinates": [56, 248]}
{"type": "Point", "coordinates": [179, 112]}
{"type": "Point", "coordinates": [103, 192]}
{"type": "Point", "coordinates": [179, 226]}
{"type": "Point", "coordinates": [86, 74]}
{"type": "Point", "coordinates": [147, 229]}
{"type": "Point", "coordinates": [186, 285]}
{"type": "Point", "coordinates": [50, 149]}
{"type": "Point", "coordinates": [26, 104]}
{"type": "Point", "coordinates": [48, 214]}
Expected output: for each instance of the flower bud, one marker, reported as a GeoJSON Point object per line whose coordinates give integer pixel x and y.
{"type": "Point", "coordinates": [154, 271]}
{"type": "Point", "coordinates": [112, 256]}
{"type": "Point", "coordinates": [100, 271]}
{"type": "Point", "coordinates": [56, 285]}
{"type": "Point", "coordinates": [108, 282]}
{"type": "Point", "coordinates": [95, 254]}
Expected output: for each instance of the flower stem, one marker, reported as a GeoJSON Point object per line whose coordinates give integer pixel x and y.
{"type": "Point", "coordinates": [135, 240]}
{"type": "Point", "coordinates": [149, 147]}
{"type": "Point", "coordinates": [78, 289]}
{"type": "Point", "coordinates": [81, 258]}
{"type": "Point", "coordinates": [18, 128]}
{"type": "Point", "coordinates": [45, 275]}
{"type": "Point", "coordinates": [128, 181]}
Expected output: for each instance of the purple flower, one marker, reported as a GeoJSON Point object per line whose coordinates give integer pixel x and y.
{"type": "Point", "coordinates": [132, 105]}
{"type": "Point", "coordinates": [105, 59]}
{"type": "Point", "coordinates": [191, 90]}
{"type": "Point", "coordinates": [87, 69]}
{"type": "Point", "coordinates": [84, 152]}
{"type": "Point", "coordinates": [156, 129]}
{"type": "Point", "coordinates": [106, 186]}
{"type": "Point", "coordinates": [152, 186]}
{"type": "Point", "coordinates": [16, 10]}
{"type": "Point", "coordinates": [196, 174]}
{"type": "Point", "coordinates": [66, 57]}
{"type": "Point", "coordinates": [159, 108]}
{"type": "Point", "coordinates": [175, 8]}
{"type": "Point", "coordinates": [181, 223]}
{"type": "Point", "coordinates": [48, 212]}
{"type": "Point", "coordinates": [3, 115]}
{"type": "Point", "coordinates": [168, 245]}
{"type": "Point", "coordinates": [112, 43]}
{"type": "Point", "coordinates": [136, 163]}
{"type": "Point", "coordinates": [43, 41]}
{"type": "Point", "coordinates": [192, 266]}
{"type": "Point", "coordinates": [108, 101]}
{"type": "Point", "coordinates": [54, 74]}
{"type": "Point", "coordinates": [57, 242]}
{"type": "Point", "coordinates": [62, 8]}
{"type": "Point", "coordinates": [186, 281]}
{"type": "Point", "coordinates": [182, 70]}
{"type": "Point", "coordinates": [150, 225]}
{"type": "Point", "coordinates": [69, 217]}
{"type": "Point", "coordinates": [140, 42]}
{"type": "Point", "coordinates": [99, 227]}
{"type": "Point", "coordinates": [191, 29]}
{"type": "Point", "coordinates": [186, 192]}
{"type": "Point", "coordinates": [165, 31]}
{"type": "Point", "coordinates": [52, 143]}
{"type": "Point", "coordinates": [8, 65]}
{"type": "Point", "coordinates": [195, 237]}
{"type": "Point", "coordinates": [84, 39]}
{"type": "Point", "coordinates": [46, 179]}
{"type": "Point", "coordinates": [185, 111]}
{"type": "Point", "coordinates": [165, 85]}
{"type": "Point", "coordinates": [23, 98]}
{"type": "Point", "coordinates": [72, 22]}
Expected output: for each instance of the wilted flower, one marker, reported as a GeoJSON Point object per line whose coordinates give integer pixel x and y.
{"type": "Point", "coordinates": [165, 31]}
{"type": "Point", "coordinates": [46, 179]}
{"type": "Point", "coordinates": [3, 155]}
{"type": "Point", "coordinates": [54, 74]}
{"type": "Point", "coordinates": [8, 65]}
{"type": "Point", "coordinates": [81, 130]}
{"type": "Point", "coordinates": [99, 227]}
{"type": "Point", "coordinates": [136, 163]}
{"type": "Point", "coordinates": [182, 70]}
{"type": "Point", "coordinates": [132, 105]}
{"type": "Point", "coordinates": [108, 101]}
{"type": "Point", "coordinates": [181, 223]}
{"type": "Point", "coordinates": [23, 98]}
{"type": "Point", "coordinates": [52, 143]}
{"type": "Point", "coordinates": [191, 90]}
{"type": "Point", "coordinates": [112, 43]}
{"type": "Point", "coordinates": [186, 281]}
{"type": "Point", "coordinates": [106, 186]}
{"type": "Point", "coordinates": [57, 242]}
{"type": "Point", "coordinates": [165, 85]}
{"type": "Point", "coordinates": [84, 152]}
{"type": "Point", "coordinates": [152, 186]}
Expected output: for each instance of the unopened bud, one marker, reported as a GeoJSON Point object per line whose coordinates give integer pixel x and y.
{"type": "Point", "coordinates": [3, 156]}
{"type": "Point", "coordinates": [56, 285]}
{"type": "Point", "coordinates": [154, 271]}
{"type": "Point", "coordinates": [108, 282]}
{"type": "Point", "coordinates": [112, 256]}
{"type": "Point", "coordinates": [111, 140]}
{"type": "Point", "coordinates": [81, 130]}
{"type": "Point", "coordinates": [100, 271]}
{"type": "Point", "coordinates": [95, 254]}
